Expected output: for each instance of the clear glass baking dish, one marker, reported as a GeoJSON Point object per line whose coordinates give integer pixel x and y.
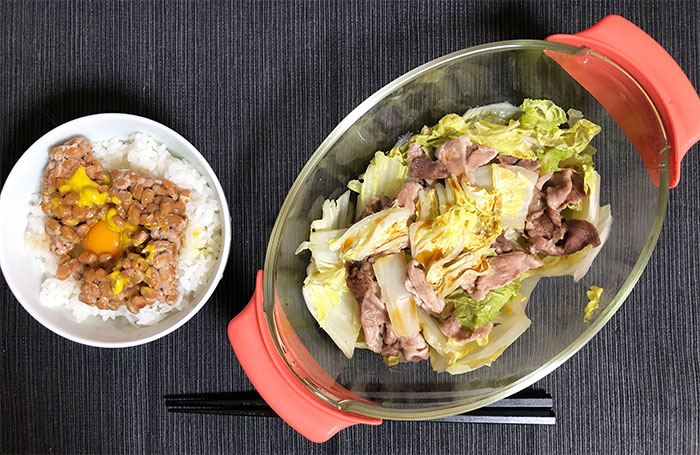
{"type": "Point", "coordinates": [307, 379]}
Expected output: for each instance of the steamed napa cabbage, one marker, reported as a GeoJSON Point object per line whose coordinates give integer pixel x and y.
{"type": "Point", "coordinates": [542, 120]}
{"type": "Point", "coordinates": [454, 243]}
{"type": "Point", "coordinates": [541, 127]}
{"type": "Point", "coordinates": [330, 302]}
{"type": "Point", "coordinates": [390, 271]}
{"type": "Point", "coordinates": [541, 115]}
{"type": "Point", "coordinates": [380, 232]}
{"type": "Point", "coordinates": [427, 205]}
{"type": "Point", "coordinates": [495, 113]}
{"type": "Point", "coordinates": [325, 290]}
{"type": "Point", "coordinates": [583, 163]}
{"type": "Point", "coordinates": [322, 257]}
{"type": "Point", "coordinates": [446, 350]}
{"type": "Point", "coordinates": [336, 214]}
{"type": "Point", "coordinates": [593, 302]}
{"type": "Point", "coordinates": [448, 235]}
{"type": "Point", "coordinates": [515, 186]}
{"type": "Point", "coordinates": [506, 138]}
{"type": "Point", "coordinates": [473, 314]}
{"type": "Point", "coordinates": [550, 159]}
{"type": "Point", "coordinates": [455, 358]}
{"type": "Point", "coordinates": [456, 222]}
{"type": "Point", "coordinates": [383, 177]}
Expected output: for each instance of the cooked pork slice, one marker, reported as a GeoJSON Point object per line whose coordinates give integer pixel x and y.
{"type": "Point", "coordinates": [502, 245]}
{"type": "Point", "coordinates": [462, 156]}
{"type": "Point", "coordinates": [546, 231]}
{"type": "Point", "coordinates": [413, 348]}
{"type": "Point", "coordinates": [453, 329]}
{"type": "Point", "coordinates": [407, 195]}
{"type": "Point", "coordinates": [423, 291]}
{"type": "Point", "coordinates": [504, 269]}
{"type": "Point", "coordinates": [531, 165]}
{"type": "Point", "coordinates": [422, 167]}
{"type": "Point", "coordinates": [375, 204]}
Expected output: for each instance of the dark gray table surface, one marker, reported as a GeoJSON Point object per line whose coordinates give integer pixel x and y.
{"type": "Point", "coordinates": [256, 86]}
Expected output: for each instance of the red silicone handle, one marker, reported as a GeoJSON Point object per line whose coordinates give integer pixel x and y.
{"type": "Point", "coordinates": [659, 75]}
{"type": "Point", "coordinates": [272, 378]}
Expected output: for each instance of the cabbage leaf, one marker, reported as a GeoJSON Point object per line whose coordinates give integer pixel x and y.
{"type": "Point", "coordinates": [473, 314]}
{"type": "Point", "coordinates": [336, 214]}
{"type": "Point", "coordinates": [515, 185]}
{"type": "Point", "coordinates": [325, 290]}
{"type": "Point", "coordinates": [454, 243]}
{"type": "Point", "coordinates": [542, 116]}
{"type": "Point", "coordinates": [549, 160]}
{"type": "Point", "coordinates": [383, 177]}
{"type": "Point", "coordinates": [333, 306]}
{"type": "Point", "coordinates": [495, 113]}
{"type": "Point", "coordinates": [390, 271]}
{"type": "Point", "coordinates": [541, 127]}
{"type": "Point", "coordinates": [593, 302]}
{"type": "Point", "coordinates": [381, 232]}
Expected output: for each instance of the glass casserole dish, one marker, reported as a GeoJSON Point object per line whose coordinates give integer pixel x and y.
{"type": "Point", "coordinates": [614, 73]}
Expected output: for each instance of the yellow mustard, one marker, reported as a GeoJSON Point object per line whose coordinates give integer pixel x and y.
{"type": "Point", "coordinates": [118, 282]}
{"type": "Point", "coordinates": [150, 252]}
{"type": "Point", "coordinates": [109, 220]}
{"type": "Point", "coordinates": [85, 187]}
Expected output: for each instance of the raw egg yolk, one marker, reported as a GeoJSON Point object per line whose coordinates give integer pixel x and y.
{"type": "Point", "coordinates": [101, 239]}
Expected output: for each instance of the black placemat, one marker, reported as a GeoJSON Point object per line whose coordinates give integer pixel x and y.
{"type": "Point", "coordinates": [256, 86]}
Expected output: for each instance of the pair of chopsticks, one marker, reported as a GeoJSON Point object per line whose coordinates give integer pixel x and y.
{"type": "Point", "coordinates": [530, 407]}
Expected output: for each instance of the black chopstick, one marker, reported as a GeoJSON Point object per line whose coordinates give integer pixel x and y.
{"type": "Point", "coordinates": [532, 407]}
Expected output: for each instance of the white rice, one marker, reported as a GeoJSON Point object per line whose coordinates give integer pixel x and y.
{"type": "Point", "coordinates": [201, 242]}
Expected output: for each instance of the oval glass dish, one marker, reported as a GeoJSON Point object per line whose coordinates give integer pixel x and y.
{"type": "Point", "coordinates": [639, 150]}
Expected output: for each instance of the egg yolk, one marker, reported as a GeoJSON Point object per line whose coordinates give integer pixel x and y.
{"type": "Point", "coordinates": [101, 239]}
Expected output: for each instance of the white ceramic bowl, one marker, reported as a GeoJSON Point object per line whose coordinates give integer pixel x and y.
{"type": "Point", "coordinates": [19, 267]}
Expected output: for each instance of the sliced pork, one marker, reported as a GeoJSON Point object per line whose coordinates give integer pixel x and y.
{"type": "Point", "coordinates": [543, 221]}
{"type": "Point", "coordinates": [504, 269]}
{"type": "Point", "coordinates": [453, 329]}
{"type": "Point", "coordinates": [462, 156]}
{"type": "Point", "coordinates": [469, 280]}
{"type": "Point", "coordinates": [546, 231]}
{"type": "Point", "coordinates": [375, 204]}
{"type": "Point", "coordinates": [413, 348]}
{"type": "Point", "coordinates": [478, 155]}
{"type": "Point", "coordinates": [407, 195]}
{"type": "Point", "coordinates": [374, 318]}
{"type": "Point", "coordinates": [360, 277]}
{"type": "Point", "coordinates": [422, 167]}
{"type": "Point", "coordinates": [454, 155]}
{"type": "Point", "coordinates": [563, 188]}
{"type": "Point", "coordinates": [531, 165]}
{"type": "Point", "coordinates": [379, 335]}
{"type": "Point", "coordinates": [502, 245]}
{"type": "Point", "coordinates": [577, 234]}
{"type": "Point", "coordinates": [422, 291]}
